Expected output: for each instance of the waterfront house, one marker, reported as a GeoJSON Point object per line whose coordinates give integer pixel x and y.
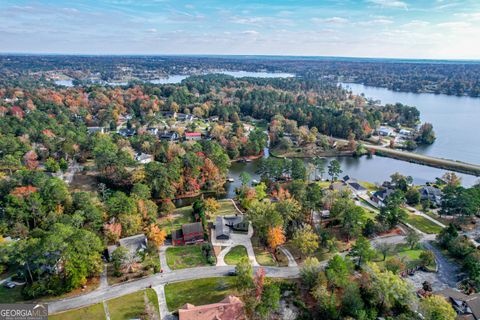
{"type": "Point", "coordinates": [357, 188]}
{"type": "Point", "coordinates": [193, 136]}
{"type": "Point", "coordinates": [190, 233]}
{"type": "Point", "coordinates": [222, 231]}
{"type": "Point", "coordinates": [385, 131]}
{"type": "Point", "coordinates": [184, 117]}
{"type": "Point", "coordinates": [230, 308]}
{"type": "Point", "coordinates": [381, 196]}
{"type": "Point", "coordinates": [432, 194]}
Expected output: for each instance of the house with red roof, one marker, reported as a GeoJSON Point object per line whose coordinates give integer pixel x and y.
{"type": "Point", "coordinates": [193, 136]}
{"type": "Point", "coordinates": [230, 308]}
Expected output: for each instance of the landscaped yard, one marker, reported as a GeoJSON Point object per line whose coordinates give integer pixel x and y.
{"type": "Point", "coordinates": [423, 224]}
{"type": "Point", "coordinates": [130, 306]}
{"type": "Point", "coordinates": [264, 256]}
{"type": "Point", "coordinates": [226, 209]}
{"type": "Point", "coordinates": [236, 254]}
{"type": "Point", "coordinates": [179, 217]}
{"type": "Point", "coordinates": [198, 292]}
{"type": "Point", "coordinates": [182, 257]}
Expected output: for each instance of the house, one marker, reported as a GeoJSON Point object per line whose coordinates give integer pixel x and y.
{"type": "Point", "coordinates": [357, 188]}
{"type": "Point", "coordinates": [133, 244]}
{"type": "Point", "coordinates": [169, 136]}
{"type": "Point", "coordinates": [432, 194]}
{"type": "Point", "coordinates": [338, 186]}
{"type": "Point", "coordinates": [466, 306]}
{"type": "Point", "coordinates": [380, 196]}
{"type": "Point", "coordinates": [184, 117]}
{"type": "Point", "coordinates": [385, 131]}
{"type": "Point", "coordinates": [152, 131]}
{"type": "Point", "coordinates": [193, 136]}
{"type": "Point", "coordinates": [405, 132]}
{"type": "Point", "coordinates": [189, 233]}
{"type": "Point", "coordinates": [170, 114]}
{"type": "Point", "coordinates": [93, 130]}
{"type": "Point", "coordinates": [126, 132]}
{"type": "Point", "coordinates": [230, 308]}
{"type": "Point", "coordinates": [144, 158]}
{"type": "Point", "coordinates": [222, 231]}
{"type": "Point", "coordinates": [213, 119]}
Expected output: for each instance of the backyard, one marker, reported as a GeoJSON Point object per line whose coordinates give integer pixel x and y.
{"type": "Point", "coordinates": [182, 257]}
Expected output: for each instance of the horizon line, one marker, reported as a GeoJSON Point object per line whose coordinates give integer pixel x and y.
{"type": "Point", "coordinates": [224, 55]}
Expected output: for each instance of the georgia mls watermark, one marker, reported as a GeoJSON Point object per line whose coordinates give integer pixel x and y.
{"type": "Point", "coordinates": [23, 311]}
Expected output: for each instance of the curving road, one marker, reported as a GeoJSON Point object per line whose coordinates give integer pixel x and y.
{"type": "Point", "coordinates": [115, 291]}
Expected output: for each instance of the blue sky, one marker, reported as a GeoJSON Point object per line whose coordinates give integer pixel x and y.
{"type": "Point", "coordinates": [435, 29]}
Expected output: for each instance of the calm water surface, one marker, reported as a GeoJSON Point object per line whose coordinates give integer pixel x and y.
{"type": "Point", "coordinates": [455, 120]}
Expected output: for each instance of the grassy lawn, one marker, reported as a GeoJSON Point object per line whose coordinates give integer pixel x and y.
{"type": "Point", "coordinates": [131, 306]}
{"type": "Point", "coordinates": [226, 209]}
{"type": "Point", "coordinates": [198, 292]}
{"type": "Point", "coordinates": [235, 255]}
{"type": "Point", "coordinates": [11, 295]}
{"type": "Point", "coordinates": [264, 256]}
{"type": "Point", "coordinates": [180, 216]}
{"type": "Point", "coordinates": [92, 312]}
{"type": "Point", "coordinates": [370, 186]}
{"type": "Point", "coordinates": [185, 257]}
{"type": "Point", "coordinates": [423, 224]}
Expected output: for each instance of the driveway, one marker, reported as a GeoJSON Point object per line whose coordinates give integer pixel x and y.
{"type": "Point", "coordinates": [163, 258]}
{"type": "Point", "coordinates": [236, 239]}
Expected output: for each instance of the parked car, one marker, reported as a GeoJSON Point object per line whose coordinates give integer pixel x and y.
{"type": "Point", "coordinates": [232, 273]}
{"type": "Point", "coordinates": [9, 284]}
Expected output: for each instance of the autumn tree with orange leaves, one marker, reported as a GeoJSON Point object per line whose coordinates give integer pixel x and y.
{"type": "Point", "coordinates": [276, 237]}
{"type": "Point", "coordinates": [156, 235]}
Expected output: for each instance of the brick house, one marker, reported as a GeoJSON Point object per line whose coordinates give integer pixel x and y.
{"type": "Point", "coordinates": [231, 308]}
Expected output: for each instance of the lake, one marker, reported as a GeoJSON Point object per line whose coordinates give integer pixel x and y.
{"type": "Point", "coordinates": [455, 120]}
{"type": "Point", "coordinates": [177, 78]}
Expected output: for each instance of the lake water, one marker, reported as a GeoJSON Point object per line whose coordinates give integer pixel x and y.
{"type": "Point", "coordinates": [455, 120]}
{"type": "Point", "coordinates": [179, 77]}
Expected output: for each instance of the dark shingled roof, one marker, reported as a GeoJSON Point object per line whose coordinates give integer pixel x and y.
{"type": "Point", "coordinates": [189, 228]}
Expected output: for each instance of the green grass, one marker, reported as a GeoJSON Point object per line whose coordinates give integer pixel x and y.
{"type": "Point", "coordinates": [185, 257]}
{"type": "Point", "coordinates": [92, 312]}
{"type": "Point", "coordinates": [423, 224]}
{"type": "Point", "coordinates": [11, 295]}
{"type": "Point", "coordinates": [264, 258]}
{"type": "Point", "coordinates": [226, 209]}
{"type": "Point", "coordinates": [198, 292]}
{"type": "Point", "coordinates": [370, 186]}
{"type": "Point", "coordinates": [179, 217]}
{"type": "Point", "coordinates": [130, 306]}
{"type": "Point", "coordinates": [235, 255]}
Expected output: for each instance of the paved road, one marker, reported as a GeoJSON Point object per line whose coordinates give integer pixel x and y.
{"type": "Point", "coordinates": [115, 291]}
{"type": "Point", "coordinates": [447, 270]}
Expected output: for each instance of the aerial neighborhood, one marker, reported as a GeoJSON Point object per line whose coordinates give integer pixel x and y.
{"type": "Point", "coordinates": [221, 197]}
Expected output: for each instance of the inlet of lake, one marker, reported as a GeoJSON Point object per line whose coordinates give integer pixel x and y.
{"type": "Point", "coordinates": [454, 119]}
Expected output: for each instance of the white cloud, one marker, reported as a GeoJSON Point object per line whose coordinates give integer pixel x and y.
{"type": "Point", "coordinates": [375, 22]}
{"type": "Point", "coordinates": [416, 24]}
{"type": "Point", "coordinates": [454, 24]}
{"type": "Point", "coordinates": [332, 20]}
{"type": "Point", "coordinates": [250, 33]}
{"type": "Point", "coordinates": [152, 30]}
{"type": "Point", "coordinates": [390, 3]}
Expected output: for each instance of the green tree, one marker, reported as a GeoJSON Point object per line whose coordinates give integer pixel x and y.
{"type": "Point", "coordinates": [436, 307]}
{"type": "Point", "coordinates": [245, 178]}
{"type": "Point", "coordinates": [306, 240]}
{"type": "Point", "coordinates": [412, 196]}
{"type": "Point", "coordinates": [51, 165]}
{"type": "Point", "coordinates": [334, 169]}
{"type": "Point", "coordinates": [427, 258]}
{"type": "Point", "coordinates": [244, 272]}
{"type": "Point", "coordinates": [309, 272]}
{"type": "Point", "coordinates": [362, 250]}
{"type": "Point", "coordinates": [299, 172]}
{"type": "Point", "coordinates": [269, 302]}
{"type": "Point", "coordinates": [412, 238]}
{"type": "Point", "coordinates": [352, 303]}
{"type": "Point", "coordinates": [338, 271]}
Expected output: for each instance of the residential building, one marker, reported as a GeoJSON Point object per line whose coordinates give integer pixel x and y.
{"type": "Point", "coordinates": [133, 244]}
{"type": "Point", "coordinates": [230, 308]}
{"type": "Point", "coordinates": [144, 158]}
{"type": "Point", "coordinates": [385, 131]}
{"type": "Point", "coordinates": [380, 196]}
{"type": "Point", "coordinates": [152, 131]}
{"type": "Point", "coordinates": [466, 306]}
{"type": "Point", "coordinates": [93, 130]}
{"type": "Point", "coordinates": [126, 132]}
{"type": "Point", "coordinates": [169, 136]}
{"type": "Point", "coordinates": [432, 194]}
{"type": "Point", "coordinates": [190, 233]}
{"type": "Point", "coordinates": [185, 117]}
{"type": "Point", "coordinates": [222, 231]}
{"type": "Point", "coordinates": [193, 136]}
